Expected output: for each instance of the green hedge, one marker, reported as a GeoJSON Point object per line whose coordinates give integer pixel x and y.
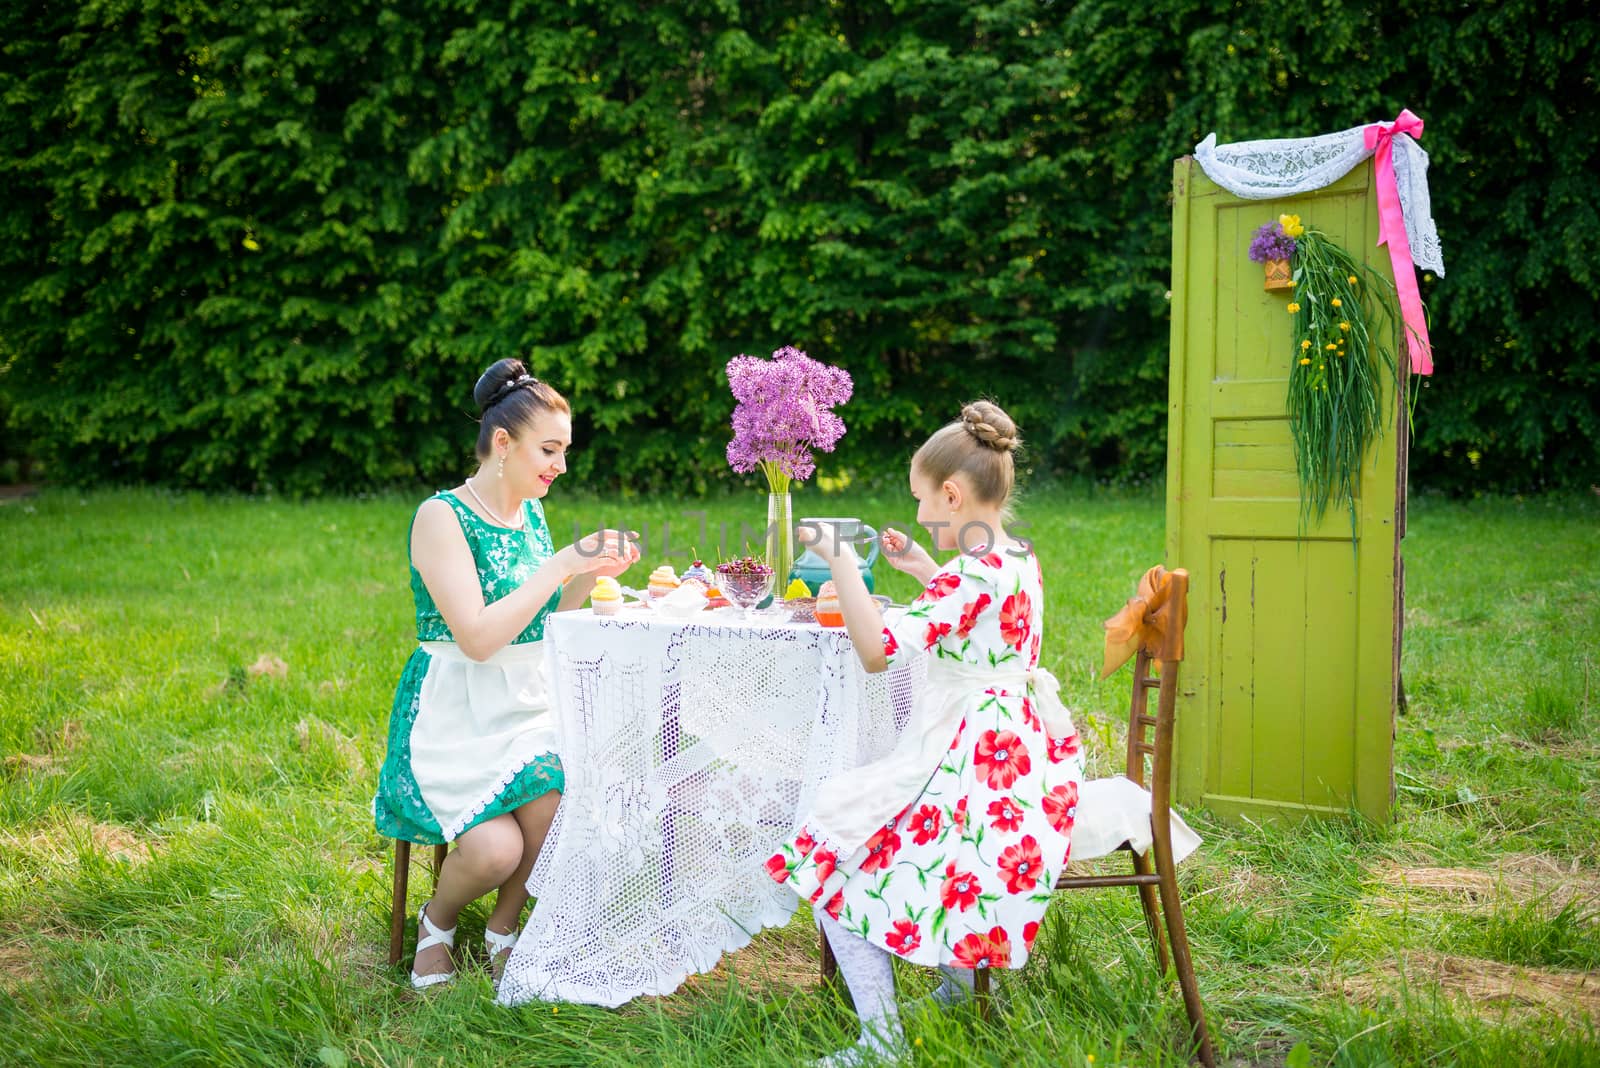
{"type": "Point", "coordinates": [251, 245]}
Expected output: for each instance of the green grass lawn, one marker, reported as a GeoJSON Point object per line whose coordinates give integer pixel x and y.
{"type": "Point", "coordinates": [193, 699]}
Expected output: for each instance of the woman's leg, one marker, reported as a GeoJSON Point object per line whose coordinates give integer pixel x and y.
{"type": "Point", "coordinates": [481, 859]}
{"type": "Point", "coordinates": [533, 820]}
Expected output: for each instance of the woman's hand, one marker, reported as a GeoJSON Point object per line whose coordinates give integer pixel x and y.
{"type": "Point", "coordinates": [600, 554]}
{"type": "Point", "coordinates": [625, 559]}
{"type": "Point", "coordinates": [622, 563]}
{"type": "Point", "coordinates": [605, 552]}
{"type": "Point", "coordinates": [906, 555]}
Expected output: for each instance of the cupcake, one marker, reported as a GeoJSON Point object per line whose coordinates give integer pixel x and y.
{"type": "Point", "coordinates": [662, 581]}
{"type": "Point", "coordinates": [699, 570]}
{"type": "Point", "coordinates": [827, 610]}
{"type": "Point", "coordinates": [606, 597]}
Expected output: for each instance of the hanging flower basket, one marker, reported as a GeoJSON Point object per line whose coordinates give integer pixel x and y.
{"type": "Point", "coordinates": [1272, 246]}
{"type": "Point", "coordinates": [1277, 275]}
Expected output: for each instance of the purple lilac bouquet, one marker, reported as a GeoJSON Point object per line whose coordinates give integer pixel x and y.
{"type": "Point", "coordinates": [1271, 243]}
{"type": "Point", "coordinates": [784, 411]}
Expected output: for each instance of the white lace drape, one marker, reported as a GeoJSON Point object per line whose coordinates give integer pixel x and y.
{"type": "Point", "coordinates": [688, 748]}
{"type": "Point", "coordinates": [1261, 170]}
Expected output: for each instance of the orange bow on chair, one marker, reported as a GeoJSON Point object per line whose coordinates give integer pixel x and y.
{"type": "Point", "coordinates": [1147, 621]}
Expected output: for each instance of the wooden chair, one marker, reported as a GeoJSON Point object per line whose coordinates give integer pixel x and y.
{"type": "Point", "coordinates": [398, 909]}
{"type": "Point", "coordinates": [1152, 627]}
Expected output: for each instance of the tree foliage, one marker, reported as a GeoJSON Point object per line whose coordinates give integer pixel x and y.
{"type": "Point", "coordinates": [257, 244]}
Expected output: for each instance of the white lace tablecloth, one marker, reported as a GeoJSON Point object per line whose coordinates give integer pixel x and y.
{"type": "Point", "coordinates": [688, 748]}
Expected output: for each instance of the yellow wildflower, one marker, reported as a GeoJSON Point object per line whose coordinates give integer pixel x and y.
{"type": "Point", "coordinates": [1293, 307]}
{"type": "Point", "coordinates": [1345, 327]}
{"type": "Point", "coordinates": [1291, 225]}
{"type": "Point", "coordinates": [1351, 279]}
{"type": "Point", "coordinates": [1306, 343]}
{"type": "Point", "coordinates": [1304, 360]}
{"type": "Point", "coordinates": [1330, 346]}
{"type": "Point", "coordinates": [1336, 302]}
{"type": "Point", "coordinates": [1292, 283]}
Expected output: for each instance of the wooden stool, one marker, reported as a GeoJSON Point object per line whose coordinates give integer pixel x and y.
{"type": "Point", "coordinates": [398, 909]}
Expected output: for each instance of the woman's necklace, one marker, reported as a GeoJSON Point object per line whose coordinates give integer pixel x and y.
{"type": "Point", "coordinates": [518, 525]}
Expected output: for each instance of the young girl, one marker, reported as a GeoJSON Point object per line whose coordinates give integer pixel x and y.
{"type": "Point", "coordinates": [471, 747]}
{"type": "Point", "coordinates": [945, 852]}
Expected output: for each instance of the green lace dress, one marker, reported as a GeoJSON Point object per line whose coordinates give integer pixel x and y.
{"type": "Point", "coordinates": [471, 740]}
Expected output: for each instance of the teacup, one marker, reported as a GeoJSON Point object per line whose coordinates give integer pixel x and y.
{"type": "Point", "coordinates": [812, 569]}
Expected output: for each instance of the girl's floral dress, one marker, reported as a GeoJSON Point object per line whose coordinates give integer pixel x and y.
{"type": "Point", "coordinates": [962, 874]}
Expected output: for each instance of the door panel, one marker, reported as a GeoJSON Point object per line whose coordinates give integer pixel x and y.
{"type": "Point", "coordinates": [1287, 703]}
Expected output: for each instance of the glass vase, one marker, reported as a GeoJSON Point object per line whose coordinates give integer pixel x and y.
{"type": "Point", "coordinates": [780, 541]}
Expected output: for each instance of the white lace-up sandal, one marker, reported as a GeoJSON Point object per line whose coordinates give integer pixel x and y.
{"type": "Point", "coordinates": [495, 943]}
{"type": "Point", "coordinates": [429, 936]}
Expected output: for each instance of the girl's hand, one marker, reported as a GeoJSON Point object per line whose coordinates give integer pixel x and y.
{"type": "Point", "coordinates": [904, 554]}
{"type": "Point", "coordinates": [825, 540]}
{"type": "Point", "coordinates": [605, 552]}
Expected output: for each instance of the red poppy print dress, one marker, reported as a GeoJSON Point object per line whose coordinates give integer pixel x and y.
{"type": "Point", "coordinates": [974, 810]}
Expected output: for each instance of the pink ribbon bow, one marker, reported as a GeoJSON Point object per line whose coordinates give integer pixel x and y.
{"type": "Point", "coordinates": [1392, 231]}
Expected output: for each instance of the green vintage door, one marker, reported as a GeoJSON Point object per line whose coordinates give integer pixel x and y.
{"type": "Point", "coordinates": [1292, 659]}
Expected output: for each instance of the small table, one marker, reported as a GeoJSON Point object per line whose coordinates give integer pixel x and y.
{"type": "Point", "coordinates": [689, 746]}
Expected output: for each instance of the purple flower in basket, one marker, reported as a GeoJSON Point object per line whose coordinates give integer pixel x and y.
{"type": "Point", "coordinates": [784, 411]}
{"type": "Point", "coordinates": [1271, 243]}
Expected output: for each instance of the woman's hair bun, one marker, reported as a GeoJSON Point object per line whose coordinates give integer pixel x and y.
{"type": "Point", "coordinates": [501, 379]}
{"type": "Point", "coordinates": [988, 422]}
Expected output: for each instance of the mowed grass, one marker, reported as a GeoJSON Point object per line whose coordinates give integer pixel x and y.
{"type": "Point", "coordinates": [193, 700]}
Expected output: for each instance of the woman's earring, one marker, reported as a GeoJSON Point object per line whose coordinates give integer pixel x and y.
{"type": "Point", "coordinates": [502, 472]}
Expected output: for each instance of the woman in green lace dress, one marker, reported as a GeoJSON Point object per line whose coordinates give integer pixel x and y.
{"type": "Point", "coordinates": [472, 749]}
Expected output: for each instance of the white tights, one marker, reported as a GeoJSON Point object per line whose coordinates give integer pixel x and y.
{"type": "Point", "coordinates": [868, 971]}
{"type": "Point", "coordinates": [955, 985]}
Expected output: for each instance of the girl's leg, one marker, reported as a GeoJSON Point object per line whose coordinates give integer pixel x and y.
{"type": "Point", "coordinates": [533, 822]}
{"type": "Point", "coordinates": [868, 971]}
{"type": "Point", "coordinates": [481, 859]}
{"type": "Point", "coordinates": [955, 985]}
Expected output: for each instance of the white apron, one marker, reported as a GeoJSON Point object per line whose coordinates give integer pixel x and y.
{"type": "Point", "coordinates": [851, 808]}
{"type": "Point", "coordinates": [478, 724]}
